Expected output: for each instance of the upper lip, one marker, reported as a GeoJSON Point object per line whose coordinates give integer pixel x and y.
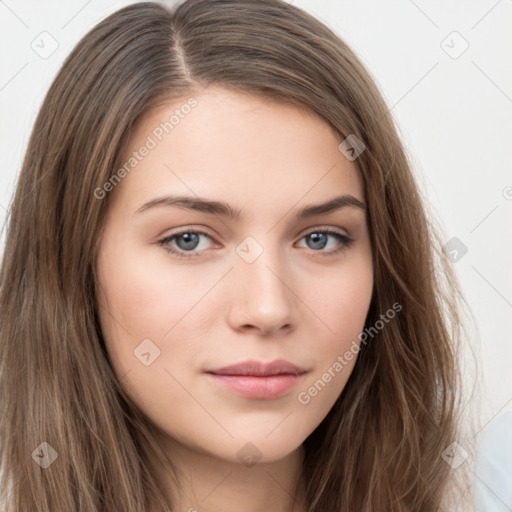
{"type": "Point", "coordinates": [259, 369]}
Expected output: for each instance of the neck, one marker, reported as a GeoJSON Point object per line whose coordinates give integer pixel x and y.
{"type": "Point", "coordinates": [211, 484]}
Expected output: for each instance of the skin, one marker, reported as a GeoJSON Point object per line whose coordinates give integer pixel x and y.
{"type": "Point", "coordinates": [294, 301]}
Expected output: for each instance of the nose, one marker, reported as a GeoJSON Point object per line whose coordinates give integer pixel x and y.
{"type": "Point", "coordinates": [262, 298]}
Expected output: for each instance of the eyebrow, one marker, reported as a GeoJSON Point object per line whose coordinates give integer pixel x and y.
{"type": "Point", "coordinates": [223, 209]}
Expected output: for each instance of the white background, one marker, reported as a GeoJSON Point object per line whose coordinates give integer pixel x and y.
{"type": "Point", "coordinates": [454, 115]}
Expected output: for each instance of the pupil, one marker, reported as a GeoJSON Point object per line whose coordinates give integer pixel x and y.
{"type": "Point", "coordinates": [319, 240]}
{"type": "Point", "coordinates": [191, 241]}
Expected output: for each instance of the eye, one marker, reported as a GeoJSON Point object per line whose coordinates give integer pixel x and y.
{"type": "Point", "coordinates": [184, 243]}
{"type": "Point", "coordinates": [319, 240]}
{"type": "Point", "coordinates": [187, 243]}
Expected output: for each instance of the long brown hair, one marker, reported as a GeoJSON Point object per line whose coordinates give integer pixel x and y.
{"type": "Point", "coordinates": [380, 447]}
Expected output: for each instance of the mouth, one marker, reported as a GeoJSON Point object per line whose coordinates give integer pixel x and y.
{"type": "Point", "coordinates": [257, 380]}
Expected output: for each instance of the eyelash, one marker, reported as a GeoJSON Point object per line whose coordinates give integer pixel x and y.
{"type": "Point", "coordinates": [346, 242]}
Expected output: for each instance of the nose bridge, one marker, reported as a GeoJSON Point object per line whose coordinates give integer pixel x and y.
{"type": "Point", "coordinates": [263, 297]}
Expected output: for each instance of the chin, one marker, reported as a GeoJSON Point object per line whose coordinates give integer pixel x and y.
{"type": "Point", "coordinates": [262, 450]}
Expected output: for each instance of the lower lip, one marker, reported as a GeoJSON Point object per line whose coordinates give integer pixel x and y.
{"type": "Point", "coordinates": [262, 388]}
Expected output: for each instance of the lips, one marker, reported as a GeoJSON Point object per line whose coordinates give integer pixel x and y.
{"type": "Point", "coordinates": [256, 380]}
{"type": "Point", "coordinates": [258, 369]}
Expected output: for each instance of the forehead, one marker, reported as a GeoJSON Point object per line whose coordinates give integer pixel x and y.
{"type": "Point", "coordinates": [242, 148]}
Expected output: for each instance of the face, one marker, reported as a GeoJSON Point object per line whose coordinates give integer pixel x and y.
{"type": "Point", "coordinates": [217, 259]}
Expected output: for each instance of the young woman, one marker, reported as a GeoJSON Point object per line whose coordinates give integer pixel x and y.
{"type": "Point", "coordinates": [220, 290]}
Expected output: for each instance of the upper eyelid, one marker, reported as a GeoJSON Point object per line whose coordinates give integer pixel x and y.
{"type": "Point", "coordinates": [204, 231]}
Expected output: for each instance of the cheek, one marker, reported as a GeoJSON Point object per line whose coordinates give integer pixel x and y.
{"type": "Point", "coordinates": [149, 306]}
{"type": "Point", "coordinates": [341, 303]}
{"type": "Point", "coordinates": [180, 308]}
{"type": "Point", "coordinates": [146, 297]}
{"type": "Point", "coordinates": [143, 316]}
{"type": "Point", "coordinates": [340, 300]}
{"type": "Point", "coordinates": [150, 296]}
